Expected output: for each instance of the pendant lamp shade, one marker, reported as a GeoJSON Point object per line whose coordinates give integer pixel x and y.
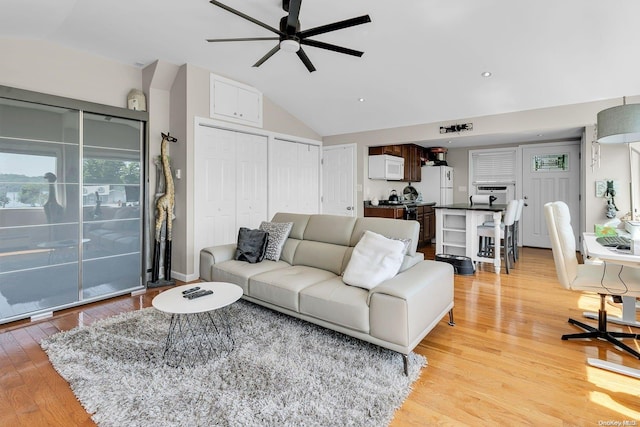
{"type": "Point", "coordinates": [619, 124]}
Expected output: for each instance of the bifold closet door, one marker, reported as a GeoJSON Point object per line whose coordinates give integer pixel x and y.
{"type": "Point", "coordinates": [230, 178]}
{"type": "Point", "coordinates": [294, 177]}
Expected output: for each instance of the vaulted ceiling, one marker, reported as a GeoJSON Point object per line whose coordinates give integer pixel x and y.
{"type": "Point", "coordinates": [422, 63]}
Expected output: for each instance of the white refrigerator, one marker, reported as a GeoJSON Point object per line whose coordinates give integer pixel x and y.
{"type": "Point", "coordinates": [436, 184]}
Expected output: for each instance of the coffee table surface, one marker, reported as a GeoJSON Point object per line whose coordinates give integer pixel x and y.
{"type": "Point", "coordinates": [172, 300]}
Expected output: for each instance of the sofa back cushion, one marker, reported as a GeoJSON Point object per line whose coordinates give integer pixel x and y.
{"type": "Point", "coordinates": [299, 223]}
{"type": "Point", "coordinates": [325, 256]}
{"type": "Point", "coordinates": [392, 228]}
{"type": "Point", "coordinates": [333, 229]}
{"type": "Point", "coordinates": [295, 236]}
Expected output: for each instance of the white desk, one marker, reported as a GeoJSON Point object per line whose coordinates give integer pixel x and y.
{"type": "Point", "coordinates": [596, 251]}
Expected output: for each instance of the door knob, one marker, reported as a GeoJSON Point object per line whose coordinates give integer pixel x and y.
{"type": "Point", "coordinates": [349, 208]}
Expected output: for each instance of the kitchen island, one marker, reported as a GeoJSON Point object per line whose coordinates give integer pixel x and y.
{"type": "Point", "coordinates": [419, 211]}
{"type": "Point", "coordinates": [457, 230]}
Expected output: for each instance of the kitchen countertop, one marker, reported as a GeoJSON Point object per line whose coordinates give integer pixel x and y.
{"type": "Point", "coordinates": [467, 206]}
{"type": "Point", "coordinates": [367, 204]}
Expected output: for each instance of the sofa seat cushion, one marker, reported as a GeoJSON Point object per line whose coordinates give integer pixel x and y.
{"type": "Point", "coordinates": [282, 287]}
{"type": "Point", "coordinates": [337, 303]}
{"type": "Point", "coordinates": [239, 272]}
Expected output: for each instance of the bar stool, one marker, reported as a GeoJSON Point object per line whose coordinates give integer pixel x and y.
{"type": "Point", "coordinates": [481, 199]}
{"type": "Point", "coordinates": [504, 241]}
{"type": "Point", "coordinates": [516, 227]}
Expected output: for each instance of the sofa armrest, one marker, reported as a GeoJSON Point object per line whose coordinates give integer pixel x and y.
{"type": "Point", "coordinates": [213, 255]}
{"type": "Point", "coordinates": [411, 281]}
{"type": "Point", "coordinates": [405, 308]}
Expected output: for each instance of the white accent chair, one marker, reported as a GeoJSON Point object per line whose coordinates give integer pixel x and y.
{"type": "Point", "coordinates": [490, 242]}
{"type": "Point", "coordinates": [602, 279]}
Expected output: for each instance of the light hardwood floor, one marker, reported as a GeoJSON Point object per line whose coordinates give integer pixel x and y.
{"type": "Point", "coordinates": [502, 364]}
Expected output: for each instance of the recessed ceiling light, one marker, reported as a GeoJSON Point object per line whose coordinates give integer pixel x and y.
{"type": "Point", "coordinates": [361, 99]}
{"type": "Point", "coordinates": [486, 74]}
{"type": "Point", "coordinates": [449, 142]}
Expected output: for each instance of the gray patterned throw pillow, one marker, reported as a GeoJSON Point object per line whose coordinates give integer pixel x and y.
{"type": "Point", "coordinates": [278, 233]}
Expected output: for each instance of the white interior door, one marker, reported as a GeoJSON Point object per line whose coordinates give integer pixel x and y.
{"type": "Point", "coordinates": [339, 180]}
{"type": "Point", "coordinates": [550, 172]}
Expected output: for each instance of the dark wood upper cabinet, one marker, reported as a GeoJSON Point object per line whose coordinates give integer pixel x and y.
{"type": "Point", "coordinates": [411, 153]}
{"type": "Point", "coordinates": [392, 150]}
{"type": "Point", "coordinates": [412, 167]}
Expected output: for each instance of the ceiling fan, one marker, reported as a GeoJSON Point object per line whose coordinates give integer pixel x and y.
{"type": "Point", "coordinates": [289, 35]}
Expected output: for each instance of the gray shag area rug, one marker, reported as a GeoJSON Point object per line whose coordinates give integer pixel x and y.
{"type": "Point", "coordinates": [281, 372]}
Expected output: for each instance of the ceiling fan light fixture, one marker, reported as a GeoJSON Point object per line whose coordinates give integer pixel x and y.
{"type": "Point", "coordinates": [290, 45]}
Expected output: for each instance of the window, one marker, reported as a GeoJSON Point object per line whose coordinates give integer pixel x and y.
{"type": "Point", "coordinates": [493, 165]}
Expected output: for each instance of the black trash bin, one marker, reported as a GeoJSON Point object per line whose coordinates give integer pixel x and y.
{"type": "Point", "coordinates": [461, 264]}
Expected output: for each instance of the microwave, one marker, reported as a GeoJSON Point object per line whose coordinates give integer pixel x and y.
{"type": "Point", "coordinates": [387, 167]}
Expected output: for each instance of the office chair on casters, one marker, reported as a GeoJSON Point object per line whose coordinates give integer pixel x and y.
{"type": "Point", "coordinates": [601, 279]}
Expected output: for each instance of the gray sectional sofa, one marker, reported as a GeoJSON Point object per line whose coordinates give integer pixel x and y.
{"type": "Point", "coordinates": [306, 282]}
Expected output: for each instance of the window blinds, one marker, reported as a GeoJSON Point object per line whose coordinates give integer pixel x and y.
{"type": "Point", "coordinates": [494, 166]}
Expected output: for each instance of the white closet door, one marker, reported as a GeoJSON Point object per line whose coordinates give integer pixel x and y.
{"type": "Point", "coordinates": [308, 172]}
{"type": "Point", "coordinates": [284, 194]}
{"type": "Point", "coordinates": [215, 163]}
{"type": "Point", "coordinates": [251, 180]}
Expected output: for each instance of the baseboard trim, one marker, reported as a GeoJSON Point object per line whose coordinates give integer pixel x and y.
{"type": "Point", "coordinates": [184, 277]}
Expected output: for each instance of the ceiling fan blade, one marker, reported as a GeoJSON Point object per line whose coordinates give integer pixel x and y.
{"type": "Point", "coordinates": [305, 60]}
{"type": "Point", "coordinates": [294, 13]}
{"type": "Point", "coordinates": [245, 39]}
{"type": "Point", "coordinates": [333, 47]}
{"type": "Point", "coordinates": [267, 56]}
{"type": "Point", "coordinates": [247, 17]}
{"type": "Point", "coordinates": [335, 26]}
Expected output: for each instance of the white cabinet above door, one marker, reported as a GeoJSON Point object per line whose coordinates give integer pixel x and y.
{"type": "Point", "coordinates": [235, 102]}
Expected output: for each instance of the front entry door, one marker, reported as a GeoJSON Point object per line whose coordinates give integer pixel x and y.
{"type": "Point", "coordinates": [550, 172]}
{"type": "Point", "coordinates": [338, 180]}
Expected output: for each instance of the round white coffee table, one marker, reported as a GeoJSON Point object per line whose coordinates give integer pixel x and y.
{"type": "Point", "coordinates": [193, 332]}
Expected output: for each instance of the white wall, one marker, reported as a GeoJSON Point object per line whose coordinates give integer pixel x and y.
{"type": "Point", "coordinates": [613, 165]}
{"type": "Point", "coordinates": [41, 66]}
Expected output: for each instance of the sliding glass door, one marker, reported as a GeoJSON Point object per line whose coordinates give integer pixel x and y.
{"type": "Point", "coordinates": [111, 209]}
{"type": "Point", "coordinates": [70, 211]}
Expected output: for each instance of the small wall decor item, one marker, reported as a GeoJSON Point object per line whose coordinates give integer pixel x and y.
{"type": "Point", "coordinates": [136, 100]}
{"type": "Point", "coordinates": [164, 216]}
{"type": "Point", "coordinates": [609, 194]}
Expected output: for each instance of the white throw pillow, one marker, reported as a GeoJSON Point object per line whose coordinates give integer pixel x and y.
{"type": "Point", "coordinates": [374, 259]}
